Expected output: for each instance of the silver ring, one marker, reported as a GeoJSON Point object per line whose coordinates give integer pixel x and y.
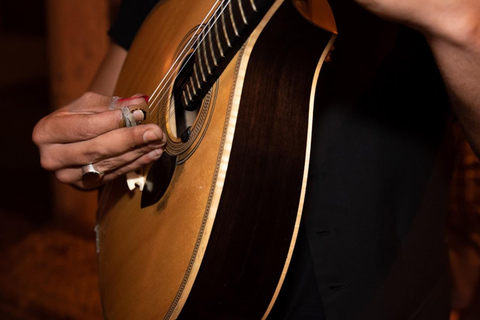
{"type": "Point", "coordinates": [128, 117]}
{"type": "Point", "coordinates": [90, 174]}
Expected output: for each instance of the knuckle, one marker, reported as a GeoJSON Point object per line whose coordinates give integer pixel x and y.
{"type": "Point", "coordinates": [62, 177]}
{"type": "Point", "coordinates": [48, 162]}
{"type": "Point", "coordinates": [133, 142]}
{"type": "Point", "coordinates": [155, 128]}
{"type": "Point", "coordinates": [133, 137]}
{"type": "Point", "coordinates": [89, 97]}
{"type": "Point", "coordinates": [150, 133]}
{"type": "Point", "coordinates": [107, 165]}
{"type": "Point", "coordinates": [86, 128]}
{"type": "Point", "coordinates": [37, 137]}
{"type": "Point", "coordinates": [94, 153]}
{"type": "Point", "coordinates": [38, 133]}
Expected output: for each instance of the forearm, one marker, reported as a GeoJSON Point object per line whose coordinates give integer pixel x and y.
{"type": "Point", "coordinates": [106, 77]}
{"type": "Point", "coordinates": [452, 28]}
{"type": "Point", "coordinates": [459, 62]}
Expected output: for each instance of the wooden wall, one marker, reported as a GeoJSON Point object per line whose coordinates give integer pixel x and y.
{"type": "Point", "coordinates": [77, 42]}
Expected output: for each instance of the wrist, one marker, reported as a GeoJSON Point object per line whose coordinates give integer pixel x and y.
{"type": "Point", "coordinates": [461, 29]}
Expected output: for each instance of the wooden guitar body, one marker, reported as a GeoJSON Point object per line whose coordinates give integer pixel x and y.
{"type": "Point", "coordinates": [217, 242]}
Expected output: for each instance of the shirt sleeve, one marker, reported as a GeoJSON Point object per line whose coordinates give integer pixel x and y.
{"type": "Point", "coordinates": [130, 17]}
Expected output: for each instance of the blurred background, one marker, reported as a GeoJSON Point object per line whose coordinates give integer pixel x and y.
{"type": "Point", "coordinates": [50, 50]}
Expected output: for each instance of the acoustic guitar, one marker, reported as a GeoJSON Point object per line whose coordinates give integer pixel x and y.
{"type": "Point", "coordinates": [211, 233]}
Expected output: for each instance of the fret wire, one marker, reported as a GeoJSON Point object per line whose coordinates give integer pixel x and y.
{"type": "Point", "coordinates": [162, 89]}
{"type": "Point", "coordinates": [164, 84]}
{"type": "Point", "coordinates": [211, 49]}
{"type": "Point", "coordinates": [225, 31]}
{"type": "Point", "coordinates": [220, 47]}
{"type": "Point", "coordinates": [189, 92]}
{"type": "Point", "coordinates": [209, 70]}
{"type": "Point", "coordinates": [240, 6]}
{"type": "Point", "coordinates": [234, 25]}
{"type": "Point", "coordinates": [202, 73]}
{"type": "Point", "coordinates": [254, 7]}
{"type": "Point", "coordinates": [203, 56]}
{"type": "Point", "coordinates": [184, 97]}
{"type": "Point", "coordinates": [193, 86]}
{"type": "Point", "coordinates": [157, 96]}
{"type": "Point", "coordinates": [218, 41]}
{"type": "Point", "coordinates": [195, 71]}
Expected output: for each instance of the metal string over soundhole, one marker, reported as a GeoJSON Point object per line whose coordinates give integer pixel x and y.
{"type": "Point", "coordinates": [185, 127]}
{"type": "Point", "coordinates": [190, 44]}
{"type": "Point", "coordinates": [206, 52]}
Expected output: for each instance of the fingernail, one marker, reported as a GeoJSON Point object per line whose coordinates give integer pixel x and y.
{"type": "Point", "coordinates": [144, 96]}
{"type": "Point", "coordinates": [139, 115]}
{"type": "Point", "coordinates": [156, 146]}
{"type": "Point", "coordinates": [155, 154]}
{"type": "Point", "coordinates": [150, 136]}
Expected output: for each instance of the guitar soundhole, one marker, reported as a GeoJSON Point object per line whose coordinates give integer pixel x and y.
{"type": "Point", "coordinates": [190, 104]}
{"type": "Point", "coordinates": [184, 122]}
{"type": "Point", "coordinates": [158, 180]}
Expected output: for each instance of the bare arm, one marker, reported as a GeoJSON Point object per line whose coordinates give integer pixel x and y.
{"type": "Point", "coordinates": [108, 72]}
{"type": "Point", "coordinates": [91, 129]}
{"type": "Point", "coordinates": [452, 28]}
{"type": "Point", "coordinates": [460, 66]}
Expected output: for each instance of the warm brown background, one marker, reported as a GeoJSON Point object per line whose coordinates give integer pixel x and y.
{"type": "Point", "coordinates": [49, 52]}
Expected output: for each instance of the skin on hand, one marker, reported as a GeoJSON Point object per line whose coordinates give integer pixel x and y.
{"type": "Point", "coordinates": [86, 131]}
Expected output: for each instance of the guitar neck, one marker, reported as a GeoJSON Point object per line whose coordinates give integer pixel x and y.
{"type": "Point", "coordinates": [217, 43]}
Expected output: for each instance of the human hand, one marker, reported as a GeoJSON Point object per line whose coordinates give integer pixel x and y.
{"type": "Point", "coordinates": [87, 131]}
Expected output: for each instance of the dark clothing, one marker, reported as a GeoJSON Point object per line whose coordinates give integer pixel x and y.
{"type": "Point", "coordinates": [129, 20]}
{"type": "Point", "coordinates": [372, 240]}
{"type": "Point", "coordinates": [377, 191]}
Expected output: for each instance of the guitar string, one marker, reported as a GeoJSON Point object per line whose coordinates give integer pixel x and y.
{"type": "Point", "coordinates": [188, 46]}
{"type": "Point", "coordinates": [186, 50]}
{"type": "Point", "coordinates": [160, 96]}
{"type": "Point", "coordinates": [162, 88]}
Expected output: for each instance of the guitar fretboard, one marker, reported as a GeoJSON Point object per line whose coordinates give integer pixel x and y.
{"type": "Point", "coordinates": [218, 42]}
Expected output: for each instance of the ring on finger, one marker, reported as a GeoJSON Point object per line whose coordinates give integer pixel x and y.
{"type": "Point", "coordinates": [90, 174]}
{"type": "Point", "coordinates": [128, 117]}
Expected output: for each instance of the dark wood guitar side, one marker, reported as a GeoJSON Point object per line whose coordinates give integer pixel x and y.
{"type": "Point", "coordinates": [217, 243]}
